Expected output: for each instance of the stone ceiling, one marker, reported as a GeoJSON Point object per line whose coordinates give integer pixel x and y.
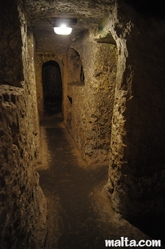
{"type": "Point", "coordinates": [42, 13]}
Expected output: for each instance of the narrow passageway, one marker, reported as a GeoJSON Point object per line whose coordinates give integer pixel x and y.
{"type": "Point", "coordinates": [79, 214]}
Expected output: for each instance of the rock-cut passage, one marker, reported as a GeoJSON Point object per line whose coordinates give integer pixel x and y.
{"type": "Point", "coordinates": [79, 215]}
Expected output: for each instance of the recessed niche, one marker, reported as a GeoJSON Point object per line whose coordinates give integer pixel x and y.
{"type": "Point", "coordinates": [75, 70]}
{"type": "Point", "coordinates": [107, 39]}
{"type": "Point", "coordinates": [82, 78]}
{"type": "Point", "coordinates": [70, 99]}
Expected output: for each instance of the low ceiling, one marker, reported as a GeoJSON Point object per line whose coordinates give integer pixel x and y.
{"type": "Point", "coordinates": [42, 13]}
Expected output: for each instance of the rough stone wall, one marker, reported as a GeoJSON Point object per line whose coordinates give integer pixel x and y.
{"type": "Point", "coordinates": [23, 206]}
{"type": "Point", "coordinates": [28, 51]}
{"type": "Point", "coordinates": [41, 58]}
{"type": "Point", "coordinates": [10, 44]}
{"type": "Point", "coordinates": [136, 172]}
{"type": "Point", "coordinates": [89, 82]}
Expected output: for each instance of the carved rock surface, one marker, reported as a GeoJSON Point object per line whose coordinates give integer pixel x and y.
{"type": "Point", "coordinates": [23, 206]}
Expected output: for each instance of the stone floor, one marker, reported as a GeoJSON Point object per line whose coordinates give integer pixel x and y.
{"type": "Point", "coordinates": [79, 212]}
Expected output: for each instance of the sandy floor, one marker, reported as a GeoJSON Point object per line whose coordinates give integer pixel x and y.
{"type": "Point", "coordinates": [80, 214]}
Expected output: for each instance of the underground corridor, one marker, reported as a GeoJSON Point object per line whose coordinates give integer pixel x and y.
{"type": "Point", "coordinates": [78, 213]}
{"type": "Point", "coordinates": [82, 117]}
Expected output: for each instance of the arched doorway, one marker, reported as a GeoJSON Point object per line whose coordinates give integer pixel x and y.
{"type": "Point", "coordinates": [52, 87]}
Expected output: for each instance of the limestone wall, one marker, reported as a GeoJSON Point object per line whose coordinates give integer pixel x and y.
{"type": "Point", "coordinates": [121, 102]}
{"type": "Point", "coordinates": [89, 82]}
{"type": "Point", "coordinates": [136, 172]}
{"type": "Point", "coordinates": [11, 43]}
{"type": "Point", "coordinates": [23, 206]}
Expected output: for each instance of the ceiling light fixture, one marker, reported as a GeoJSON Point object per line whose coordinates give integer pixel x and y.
{"type": "Point", "coordinates": [63, 26]}
{"type": "Point", "coordinates": [63, 30]}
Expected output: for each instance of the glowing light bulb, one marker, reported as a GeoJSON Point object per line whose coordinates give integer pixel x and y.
{"type": "Point", "coordinates": [63, 30]}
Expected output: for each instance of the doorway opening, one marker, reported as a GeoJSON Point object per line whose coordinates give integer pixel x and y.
{"type": "Point", "coordinates": [52, 88]}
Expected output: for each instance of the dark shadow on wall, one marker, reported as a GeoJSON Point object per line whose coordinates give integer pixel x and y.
{"type": "Point", "coordinates": [52, 88]}
{"type": "Point", "coordinates": [149, 9]}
